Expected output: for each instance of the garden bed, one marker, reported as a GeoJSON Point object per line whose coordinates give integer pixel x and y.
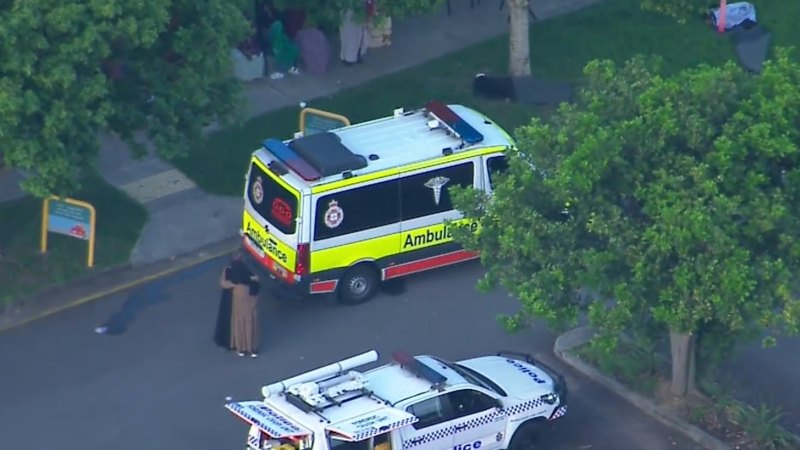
{"type": "Point", "coordinates": [710, 408]}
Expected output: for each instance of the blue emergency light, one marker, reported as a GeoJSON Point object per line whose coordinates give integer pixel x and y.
{"type": "Point", "coordinates": [418, 368]}
{"type": "Point", "coordinates": [291, 159]}
{"type": "Point", "coordinates": [452, 120]}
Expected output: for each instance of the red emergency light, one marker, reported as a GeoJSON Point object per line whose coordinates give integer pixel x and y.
{"type": "Point", "coordinates": [453, 121]}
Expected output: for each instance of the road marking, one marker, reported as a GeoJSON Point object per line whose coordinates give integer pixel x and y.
{"type": "Point", "coordinates": [118, 288]}
{"type": "Point", "coordinates": [158, 186]}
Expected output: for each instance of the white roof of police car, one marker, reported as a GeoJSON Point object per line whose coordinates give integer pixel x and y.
{"type": "Point", "coordinates": [404, 140]}
{"type": "Point", "coordinates": [394, 384]}
{"type": "Point", "coordinates": [389, 382]}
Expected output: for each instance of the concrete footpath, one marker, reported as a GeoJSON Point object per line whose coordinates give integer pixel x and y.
{"type": "Point", "coordinates": [183, 218]}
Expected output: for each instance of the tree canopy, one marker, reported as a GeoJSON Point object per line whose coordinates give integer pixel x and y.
{"type": "Point", "coordinates": [679, 9]}
{"type": "Point", "coordinates": [672, 200]}
{"type": "Point", "coordinates": [330, 11]}
{"type": "Point", "coordinates": [70, 69]}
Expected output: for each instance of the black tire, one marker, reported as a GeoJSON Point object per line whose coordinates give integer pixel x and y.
{"type": "Point", "coordinates": [358, 285]}
{"type": "Point", "coordinates": [528, 436]}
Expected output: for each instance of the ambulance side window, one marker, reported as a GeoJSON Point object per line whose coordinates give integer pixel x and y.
{"type": "Point", "coordinates": [357, 209]}
{"type": "Point", "coordinates": [496, 165]}
{"type": "Point", "coordinates": [427, 193]}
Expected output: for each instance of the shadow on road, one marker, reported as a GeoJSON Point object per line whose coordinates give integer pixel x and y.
{"type": "Point", "coordinates": [149, 295]}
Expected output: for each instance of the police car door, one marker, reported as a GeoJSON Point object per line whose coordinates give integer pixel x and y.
{"type": "Point", "coordinates": [434, 430]}
{"type": "Point", "coordinates": [478, 420]}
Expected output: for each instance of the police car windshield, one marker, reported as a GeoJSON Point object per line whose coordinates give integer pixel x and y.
{"type": "Point", "coordinates": [473, 376]}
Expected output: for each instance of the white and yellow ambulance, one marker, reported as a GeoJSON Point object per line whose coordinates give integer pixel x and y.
{"type": "Point", "coordinates": [342, 209]}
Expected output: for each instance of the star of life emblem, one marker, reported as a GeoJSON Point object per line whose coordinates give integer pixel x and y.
{"type": "Point", "coordinates": [436, 184]}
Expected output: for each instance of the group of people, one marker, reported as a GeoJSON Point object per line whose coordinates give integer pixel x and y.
{"type": "Point", "coordinates": [237, 320]}
{"type": "Point", "coordinates": [284, 40]}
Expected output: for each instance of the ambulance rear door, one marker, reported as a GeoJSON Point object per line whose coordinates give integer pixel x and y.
{"type": "Point", "coordinates": [272, 220]}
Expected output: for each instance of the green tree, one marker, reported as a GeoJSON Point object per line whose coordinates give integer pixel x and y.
{"type": "Point", "coordinates": [69, 70]}
{"type": "Point", "coordinates": [679, 9]}
{"type": "Point", "coordinates": [672, 200]}
{"type": "Point", "coordinates": [330, 11]}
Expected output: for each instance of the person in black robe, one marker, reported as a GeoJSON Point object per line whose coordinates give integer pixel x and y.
{"type": "Point", "coordinates": [234, 273]}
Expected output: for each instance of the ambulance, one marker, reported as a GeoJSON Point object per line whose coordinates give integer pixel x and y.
{"type": "Point", "coordinates": [339, 210]}
{"type": "Point", "coordinates": [422, 403]}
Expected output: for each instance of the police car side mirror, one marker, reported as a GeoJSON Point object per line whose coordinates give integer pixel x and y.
{"type": "Point", "coordinates": [497, 403]}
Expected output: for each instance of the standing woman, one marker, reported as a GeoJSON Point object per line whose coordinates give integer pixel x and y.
{"type": "Point", "coordinates": [353, 34]}
{"type": "Point", "coordinates": [245, 329]}
{"type": "Point", "coordinates": [222, 332]}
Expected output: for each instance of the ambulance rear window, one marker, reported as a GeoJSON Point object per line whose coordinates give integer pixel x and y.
{"type": "Point", "coordinates": [271, 200]}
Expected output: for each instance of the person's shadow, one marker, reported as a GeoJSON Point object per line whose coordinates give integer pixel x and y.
{"type": "Point", "coordinates": [149, 295]}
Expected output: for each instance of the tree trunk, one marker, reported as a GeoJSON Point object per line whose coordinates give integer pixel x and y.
{"type": "Point", "coordinates": [682, 346]}
{"type": "Point", "coordinates": [519, 57]}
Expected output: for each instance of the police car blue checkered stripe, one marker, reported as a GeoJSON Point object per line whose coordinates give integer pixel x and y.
{"type": "Point", "coordinates": [560, 412]}
{"type": "Point", "coordinates": [253, 441]}
{"type": "Point", "coordinates": [520, 408]}
{"type": "Point", "coordinates": [272, 422]}
{"type": "Point", "coordinates": [451, 430]}
{"type": "Point", "coordinates": [429, 437]}
{"type": "Point", "coordinates": [368, 433]}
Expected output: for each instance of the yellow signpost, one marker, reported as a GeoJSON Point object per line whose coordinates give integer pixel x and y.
{"type": "Point", "coordinates": [313, 121]}
{"type": "Point", "coordinates": [69, 217]}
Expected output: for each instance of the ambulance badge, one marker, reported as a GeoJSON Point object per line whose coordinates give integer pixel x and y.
{"type": "Point", "coordinates": [257, 190]}
{"type": "Point", "coordinates": [334, 215]}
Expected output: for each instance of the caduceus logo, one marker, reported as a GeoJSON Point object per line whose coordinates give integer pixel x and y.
{"type": "Point", "coordinates": [437, 184]}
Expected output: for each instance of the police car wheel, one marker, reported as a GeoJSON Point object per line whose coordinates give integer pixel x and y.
{"type": "Point", "coordinates": [358, 285]}
{"type": "Point", "coordinates": [527, 436]}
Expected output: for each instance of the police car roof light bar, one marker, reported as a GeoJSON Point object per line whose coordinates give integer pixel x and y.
{"type": "Point", "coordinates": [453, 121]}
{"type": "Point", "coordinates": [418, 368]}
{"type": "Point", "coordinates": [291, 159]}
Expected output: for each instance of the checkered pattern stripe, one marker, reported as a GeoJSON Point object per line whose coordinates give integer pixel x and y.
{"type": "Point", "coordinates": [520, 408]}
{"type": "Point", "coordinates": [265, 418]}
{"type": "Point", "coordinates": [429, 437]}
{"type": "Point", "coordinates": [560, 412]}
{"type": "Point", "coordinates": [374, 431]}
{"type": "Point", "coordinates": [451, 430]}
{"type": "Point", "coordinates": [254, 441]}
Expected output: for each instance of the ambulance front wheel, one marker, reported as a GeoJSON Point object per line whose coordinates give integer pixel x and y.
{"type": "Point", "coordinates": [358, 285]}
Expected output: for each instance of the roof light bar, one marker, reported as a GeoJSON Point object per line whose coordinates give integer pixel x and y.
{"type": "Point", "coordinates": [418, 368]}
{"type": "Point", "coordinates": [291, 159]}
{"type": "Point", "coordinates": [453, 121]}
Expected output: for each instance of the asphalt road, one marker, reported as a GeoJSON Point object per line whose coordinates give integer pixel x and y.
{"type": "Point", "coordinates": [160, 383]}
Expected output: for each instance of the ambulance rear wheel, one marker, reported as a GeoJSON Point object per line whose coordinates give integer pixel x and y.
{"type": "Point", "coordinates": [358, 285]}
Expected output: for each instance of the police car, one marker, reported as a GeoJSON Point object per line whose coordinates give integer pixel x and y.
{"type": "Point", "coordinates": [420, 403]}
{"type": "Point", "coordinates": [339, 211]}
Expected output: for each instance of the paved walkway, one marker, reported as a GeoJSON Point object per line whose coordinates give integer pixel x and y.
{"type": "Point", "coordinates": [183, 218]}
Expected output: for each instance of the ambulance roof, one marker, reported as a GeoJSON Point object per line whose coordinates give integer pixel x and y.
{"type": "Point", "coordinates": [399, 140]}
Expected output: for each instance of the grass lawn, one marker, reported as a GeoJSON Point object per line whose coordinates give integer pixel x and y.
{"type": "Point", "coordinates": [560, 48]}
{"type": "Point", "coordinates": [23, 270]}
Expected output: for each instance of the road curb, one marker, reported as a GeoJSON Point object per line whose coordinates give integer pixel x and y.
{"type": "Point", "coordinates": [579, 336]}
{"type": "Point", "coordinates": [104, 283]}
